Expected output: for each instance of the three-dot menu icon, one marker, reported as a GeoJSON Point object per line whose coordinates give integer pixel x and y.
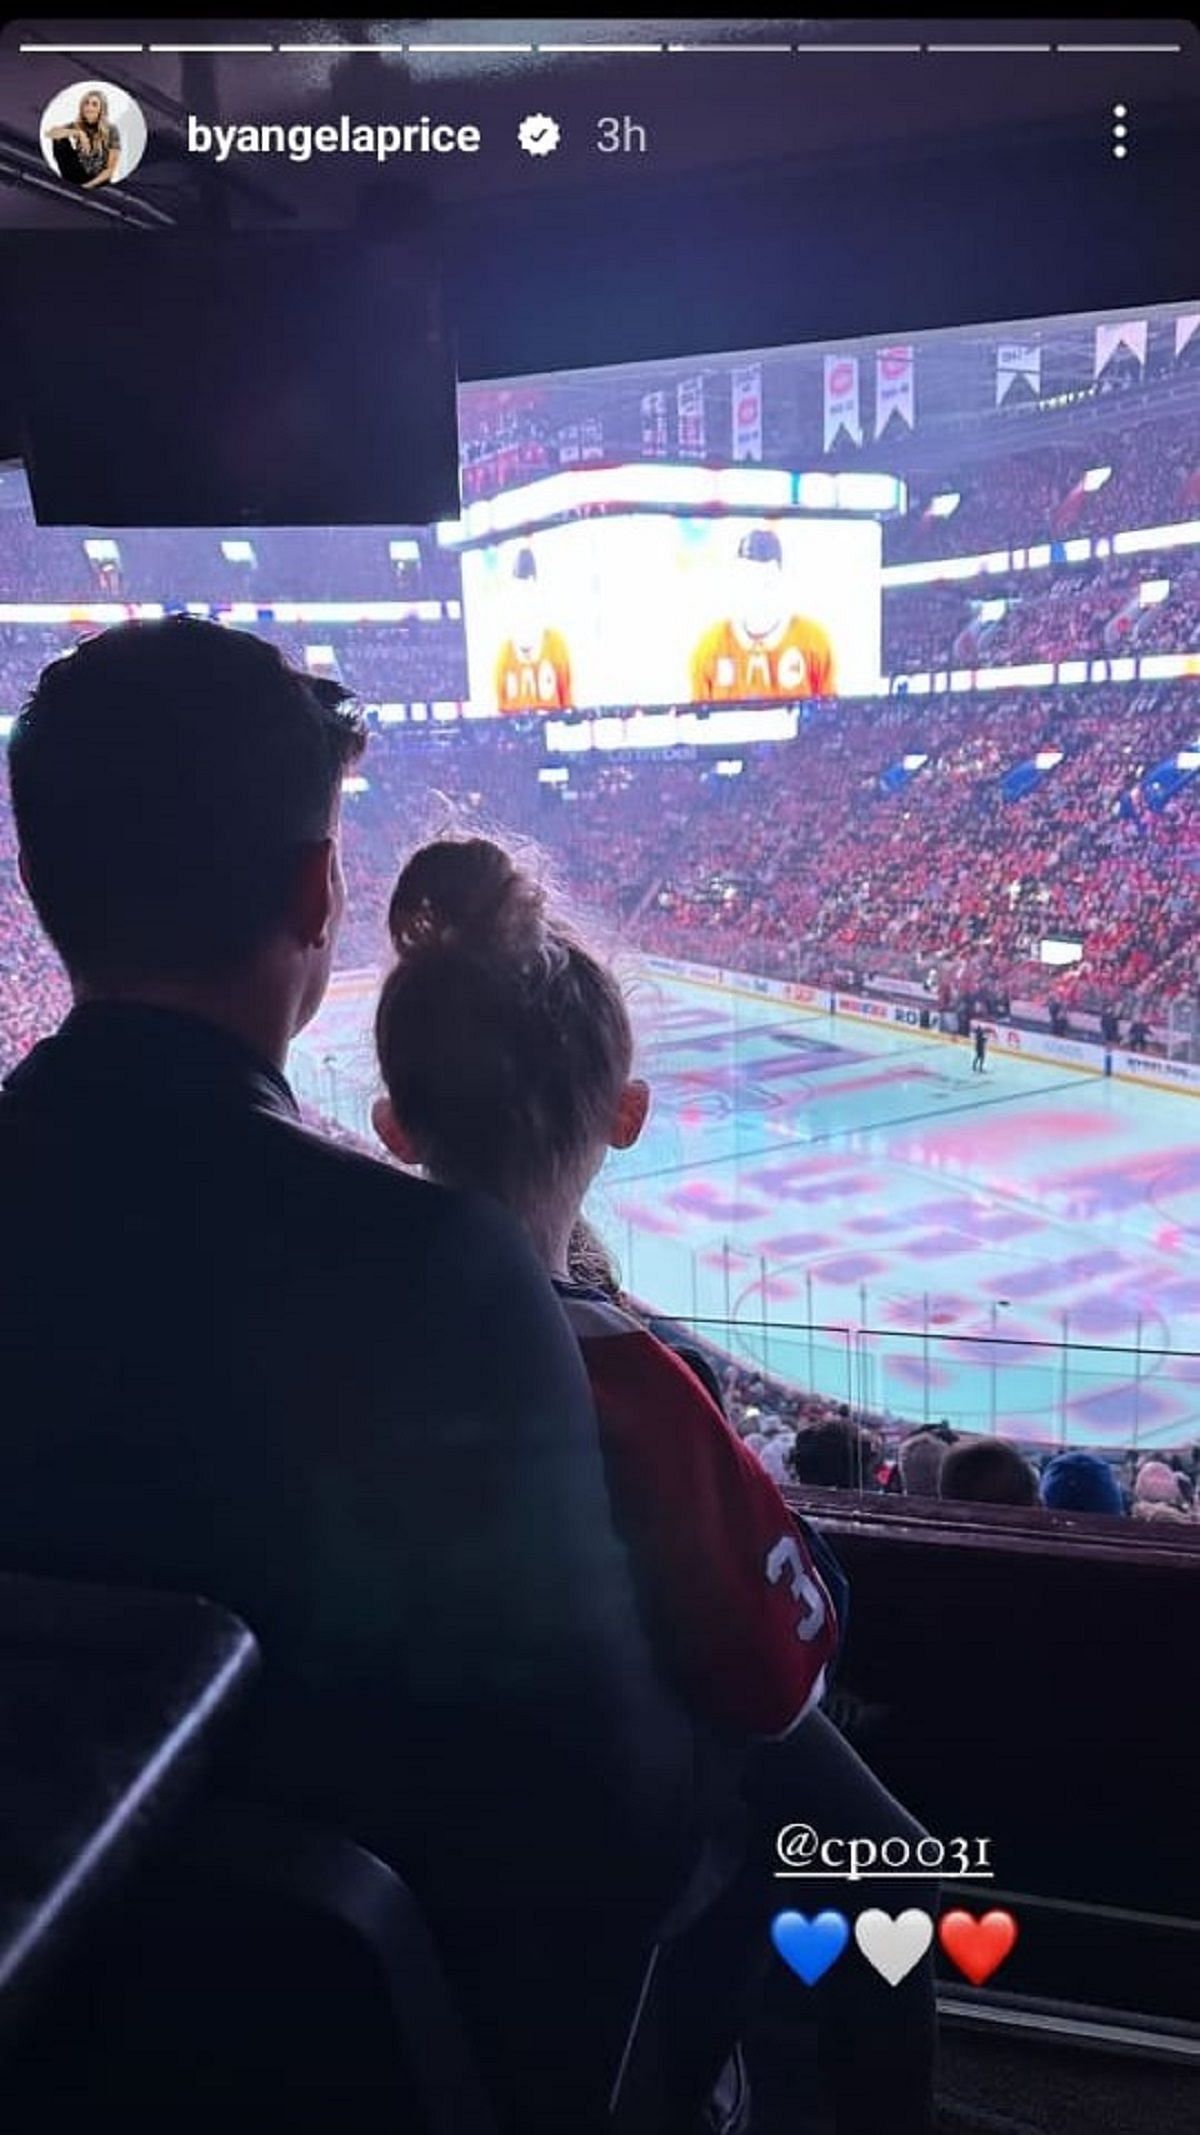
{"type": "Point", "coordinates": [1120, 130]}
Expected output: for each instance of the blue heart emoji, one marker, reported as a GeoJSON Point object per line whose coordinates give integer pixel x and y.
{"type": "Point", "coordinates": [810, 1947]}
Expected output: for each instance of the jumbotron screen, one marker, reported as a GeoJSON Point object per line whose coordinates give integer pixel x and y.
{"type": "Point", "coordinates": [695, 552]}
{"type": "Point", "coordinates": [662, 608]}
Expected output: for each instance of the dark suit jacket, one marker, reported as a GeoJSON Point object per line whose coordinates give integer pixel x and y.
{"type": "Point", "coordinates": [239, 1361]}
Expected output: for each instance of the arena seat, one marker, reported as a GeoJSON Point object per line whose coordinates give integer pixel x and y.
{"type": "Point", "coordinates": [111, 1703]}
{"type": "Point", "coordinates": [258, 1970]}
{"type": "Point", "coordinates": [171, 1960]}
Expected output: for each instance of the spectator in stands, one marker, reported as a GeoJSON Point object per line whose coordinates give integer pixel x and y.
{"type": "Point", "coordinates": [988, 1471]}
{"type": "Point", "coordinates": [1080, 1482]}
{"type": "Point", "coordinates": [506, 1051]}
{"type": "Point", "coordinates": [239, 1360]}
{"type": "Point", "coordinates": [1158, 1484]}
{"type": "Point", "coordinates": [920, 1462]}
{"type": "Point", "coordinates": [834, 1455]}
{"type": "Point", "coordinates": [1170, 1515]}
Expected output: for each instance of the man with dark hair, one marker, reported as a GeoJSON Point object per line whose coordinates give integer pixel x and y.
{"type": "Point", "coordinates": [834, 1455]}
{"type": "Point", "coordinates": [987, 1471]}
{"type": "Point", "coordinates": [163, 827]}
{"type": "Point", "coordinates": [240, 1361]}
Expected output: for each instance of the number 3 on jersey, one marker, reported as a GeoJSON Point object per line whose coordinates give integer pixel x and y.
{"type": "Point", "coordinates": [786, 1562]}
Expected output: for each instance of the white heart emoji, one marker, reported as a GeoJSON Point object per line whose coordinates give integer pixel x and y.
{"type": "Point", "coordinates": [893, 1946]}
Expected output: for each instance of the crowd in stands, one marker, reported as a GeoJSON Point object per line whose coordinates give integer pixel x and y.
{"type": "Point", "coordinates": [947, 869]}
{"type": "Point", "coordinates": [185, 564]}
{"type": "Point", "coordinates": [405, 663]}
{"type": "Point", "coordinates": [33, 990]}
{"type": "Point", "coordinates": [416, 661]}
{"type": "Point", "coordinates": [1089, 611]}
{"type": "Point", "coordinates": [807, 1441]}
{"type": "Point", "coordinates": [1035, 496]}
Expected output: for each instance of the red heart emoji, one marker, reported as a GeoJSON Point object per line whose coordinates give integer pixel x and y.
{"type": "Point", "coordinates": [977, 1947]}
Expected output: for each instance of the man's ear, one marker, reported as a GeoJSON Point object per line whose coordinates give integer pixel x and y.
{"type": "Point", "coordinates": [632, 1107]}
{"type": "Point", "coordinates": [314, 898]}
{"type": "Point", "coordinates": [391, 1133]}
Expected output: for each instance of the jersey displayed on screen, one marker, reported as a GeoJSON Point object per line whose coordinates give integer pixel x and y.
{"type": "Point", "coordinates": [794, 660]}
{"type": "Point", "coordinates": [534, 679]}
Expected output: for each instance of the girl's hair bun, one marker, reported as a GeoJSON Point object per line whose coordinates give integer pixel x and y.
{"type": "Point", "coordinates": [466, 894]}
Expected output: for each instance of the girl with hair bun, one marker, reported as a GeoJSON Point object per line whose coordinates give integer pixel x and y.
{"type": "Point", "coordinates": [506, 1051]}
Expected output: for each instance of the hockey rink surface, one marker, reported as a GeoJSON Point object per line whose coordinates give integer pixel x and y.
{"type": "Point", "coordinates": [851, 1207]}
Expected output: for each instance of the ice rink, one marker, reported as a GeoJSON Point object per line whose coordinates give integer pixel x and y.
{"type": "Point", "coordinates": [851, 1206]}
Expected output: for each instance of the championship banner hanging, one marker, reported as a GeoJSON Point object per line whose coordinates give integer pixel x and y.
{"type": "Point", "coordinates": [1131, 335]}
{"type": "Point", "coordinates": [841, 399]}
{"type": "Point", "coordinates": [1184, 329]}
{"type": "Point", "coordinates": [591, 438]}
{"type": "Point", "coordinates": [747, 413]}
{"type": "Point", "coordinates": [893, 387]}
{"type": "Point", "coordinates": [655, 440]}
{"type": "Point", "coordinates": [689, 397]}
{"type": "Point", "coordinates": [1017, 359]}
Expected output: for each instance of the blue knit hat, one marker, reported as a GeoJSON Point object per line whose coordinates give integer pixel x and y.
{"type": "Point", "coordinates": [1080, 1482]}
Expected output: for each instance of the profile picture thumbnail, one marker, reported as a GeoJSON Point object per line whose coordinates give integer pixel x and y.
{"type": "Point", "coordinates": [93, 134]}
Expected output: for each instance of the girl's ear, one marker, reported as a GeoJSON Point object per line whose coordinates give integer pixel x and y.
{"type": "Point", "coordinates": [632, 1107]}
{"type": "Point", "coordinates": [391, 1133]}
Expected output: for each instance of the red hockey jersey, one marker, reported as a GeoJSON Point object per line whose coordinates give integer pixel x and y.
{"type": "Point", "coordinates": [732, 1598]}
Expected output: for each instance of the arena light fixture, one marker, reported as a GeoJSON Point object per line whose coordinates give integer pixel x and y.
{"type": "Point", "coordinates": [758, 488]}
{"type": "Point", "coordinates": [816, 492]}
{"type": "Point", "coordinates": [871, 493]}
{"type": "Point", "coordinates": [1182, 536]}
{"type": "Point", "coordinates": [1039, 674]}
